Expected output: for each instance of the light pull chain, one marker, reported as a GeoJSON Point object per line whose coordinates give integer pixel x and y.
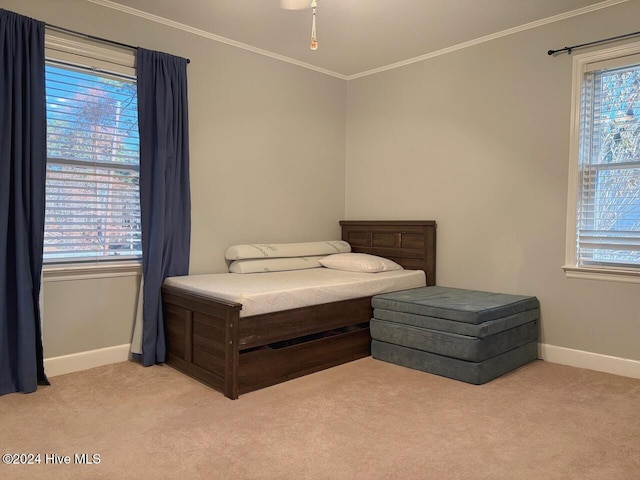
{"type": "Point", "coordinates": [314, 40]}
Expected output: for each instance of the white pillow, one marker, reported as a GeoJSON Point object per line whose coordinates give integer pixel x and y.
{"type": "Point", "coordinates": [260, 265]}
{"type": "Point", "coordinates": [286, 250]}
{"type": "Point", "coordinates": [359, 262]}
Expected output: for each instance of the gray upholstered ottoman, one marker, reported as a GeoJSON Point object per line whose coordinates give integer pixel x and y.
{"type": "Point", "coordinates": [466, 335]}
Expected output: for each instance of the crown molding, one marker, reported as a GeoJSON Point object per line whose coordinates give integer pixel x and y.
{"type": "Point", "coordinates": [493, 36]}
{"type": "Point", "coordinates": [437, 53]}
{"type": "Point", "coordinates": [213, 36]}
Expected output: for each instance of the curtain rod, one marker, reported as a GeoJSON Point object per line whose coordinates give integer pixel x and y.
{"type": "Point", "coordinates": [570, 49]}
{"type": "Point", "coordinates": [93, 37]}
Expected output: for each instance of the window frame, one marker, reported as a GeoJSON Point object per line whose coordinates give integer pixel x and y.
{"type": "Point", "coordinates": [571, 268]}
{"type": "Point", "coordinates": [66, 48]}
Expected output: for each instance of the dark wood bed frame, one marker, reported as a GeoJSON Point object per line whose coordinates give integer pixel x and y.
{"type": "Point", "coordinates": [208, 340]}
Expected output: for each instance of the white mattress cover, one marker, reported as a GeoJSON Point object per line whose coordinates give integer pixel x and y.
{"type": "Point", "coordinates": [274, 291]}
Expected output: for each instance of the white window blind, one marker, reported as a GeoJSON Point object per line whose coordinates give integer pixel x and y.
{"type": "Point", "coordinates": [92, 185]}
{"type": "Point", "coordinates": [608, 204]}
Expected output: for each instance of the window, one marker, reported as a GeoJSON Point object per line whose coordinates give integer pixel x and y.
{"type": "Point", "coordinates": [92, 186]}
{"type": "Point", "coordinates": [603, 228]}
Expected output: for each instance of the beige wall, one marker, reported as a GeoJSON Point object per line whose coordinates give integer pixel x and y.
{"type": "Point", "coordinates": [478, 140]}
{"type": "Point", "coordinates": [88, 314]}
{"type": "Point", "coordinates": [267, 162]}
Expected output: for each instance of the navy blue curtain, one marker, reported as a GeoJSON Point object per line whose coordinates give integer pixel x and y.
{"type": "Point", "coordinates": [165, 200]}
{"type": "Point", "coordinates": [23, 161]}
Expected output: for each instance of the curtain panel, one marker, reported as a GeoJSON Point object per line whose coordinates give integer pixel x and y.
{"type": "Point", "coordinates": [22, 189]}
{"type": "Point", "coordinates": [165, 201]}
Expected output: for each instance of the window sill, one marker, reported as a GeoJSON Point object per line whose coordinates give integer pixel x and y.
{"type": "Point", "coordinates": [604, 274]}
{"type": "Point", "coordinates": [66, 272]}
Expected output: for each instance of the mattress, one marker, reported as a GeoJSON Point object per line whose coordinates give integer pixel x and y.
{"type": "Point", "coordinates": [261, 293]}
{"type": "Point", "coordinates": [471, 372]}
{"type": "Point", "coordinates": [461, 328]}
{"type": "Point", "coordinates": [468, 306]}
{"type": "Point", "coordinates": [464, 347]}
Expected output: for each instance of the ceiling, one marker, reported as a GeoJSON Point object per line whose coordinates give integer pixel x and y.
{"type": "Point", "coordinates": [354, 36]}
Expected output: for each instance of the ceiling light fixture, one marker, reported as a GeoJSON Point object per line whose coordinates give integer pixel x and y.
{"type": "Point", "coordinates": [294, 4]}
{"type": "Point", "coordinates": [314, 40]}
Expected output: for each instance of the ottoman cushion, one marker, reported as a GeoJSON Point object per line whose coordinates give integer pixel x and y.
{"type": "Point", "coordinates": [469, 306]}
{"type": "Point", "coordinates": [453, 345]}
{"type": "Point", "coordinates": [476, 373]}
{"type": "Point", "coordinates": [480, 330]}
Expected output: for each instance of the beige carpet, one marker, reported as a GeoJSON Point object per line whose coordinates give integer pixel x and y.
{"type": "Point", "coordinates": [363, 420]}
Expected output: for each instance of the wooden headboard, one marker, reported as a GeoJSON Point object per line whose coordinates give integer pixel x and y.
{"type": "Point", "coordinates": [410, 243]}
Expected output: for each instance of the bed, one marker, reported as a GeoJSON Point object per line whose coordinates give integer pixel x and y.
{"type": "Point", "coordinates": [235, 352]}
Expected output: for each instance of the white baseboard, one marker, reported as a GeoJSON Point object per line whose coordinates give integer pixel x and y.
{"type": "Point", "coordinates": [86, 360]}
{"type": "Point", "coordinates": [565, 356]}
{"type": "Point", "coordinates": [592, 361]}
